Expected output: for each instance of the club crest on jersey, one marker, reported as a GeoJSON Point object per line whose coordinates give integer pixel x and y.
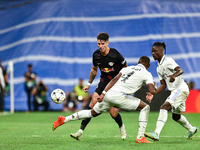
{"type": "Point", "coordinates": [110, 63]}
{"type": "Point", "coordinates": [163, 69]}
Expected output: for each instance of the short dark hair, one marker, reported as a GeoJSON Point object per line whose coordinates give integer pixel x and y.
{"type": "Point", "coordinates": [103, 36]}
{"type": "Point", "coordinates": [162, 44]}
{"type": "Point", "coordinates": [145, 59]}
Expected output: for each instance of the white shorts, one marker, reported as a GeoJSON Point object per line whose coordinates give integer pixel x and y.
{"type": "Point", "coordinates": [120, 100]}
{"type": "Point", "coordinates": [177, 100]}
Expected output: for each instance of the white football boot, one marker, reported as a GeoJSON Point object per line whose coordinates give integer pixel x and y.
{"type": "Point", "coordinates": [123, 132]}
{"type": "Point", "coordinates": [77, 135]}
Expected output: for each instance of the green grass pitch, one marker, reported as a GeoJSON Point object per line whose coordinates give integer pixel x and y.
{"type": "Point", "coordinates": [33, 131]}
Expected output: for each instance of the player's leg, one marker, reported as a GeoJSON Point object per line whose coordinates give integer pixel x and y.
{"type": "Point", "coordinates": [185, 123]}
{"type": "Point", "coordinates": [92, 103]}
{"type": "Point", "coordinates": [162, 118]}
{"type": "Point", "coordinates": [97, 110]}
{"type": "Point", "coordinates": [130, 103]}
{"type": "Point", "coordinates": [178, 108]}
{"type": "Point", "coordinates": [143, 120]}
{"type": "Point", "coordinates": [178, 117]}
{"type": "Point", "coordinates": [76, 116]}
{"type": "Point", "coordinates": [85, 122]}
{"type": "Point", "coordinates": [114, 112]}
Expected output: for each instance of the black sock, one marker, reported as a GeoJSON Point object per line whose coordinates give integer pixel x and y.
{"type": "Point", "coordinates": [85, 121]}
{"type": "Point", "coordinates": [118, 120]}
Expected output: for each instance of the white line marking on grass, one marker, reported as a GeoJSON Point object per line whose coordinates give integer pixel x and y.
{"type": "Point", "coordinates": [36, 136]}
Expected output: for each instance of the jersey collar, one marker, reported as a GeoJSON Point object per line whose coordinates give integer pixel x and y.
{"type": "Point", "coordinates": [141, 65]}
{"type": "Point", "coordinates": [162, 60]}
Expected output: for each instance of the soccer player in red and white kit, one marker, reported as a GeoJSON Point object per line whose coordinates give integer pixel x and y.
{"type": "Point", "coordinates": [119, 92]}
{"type": "Point", "coordinates": [169, 73]}
{"type": "Point", "coordinates": [110, 62]}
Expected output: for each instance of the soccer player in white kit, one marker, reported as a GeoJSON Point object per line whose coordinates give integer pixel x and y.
{"type": "Point", "coordinates": [169, 73]}
{"type": "Point", "coordinates": [119, 92]}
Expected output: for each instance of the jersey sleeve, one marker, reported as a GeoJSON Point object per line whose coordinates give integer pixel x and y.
{"type": "Point", "coordinates": [121, 60]}
{"type": "Point", "coordinates": [171, 64]}
{"type": "Point", "coordinates": [93, 59]}
{"type": "Point", "coordinates": [148, 78]}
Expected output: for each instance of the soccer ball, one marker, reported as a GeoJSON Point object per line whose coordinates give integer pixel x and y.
{"type": "Point", "coordinates": [58, 96]}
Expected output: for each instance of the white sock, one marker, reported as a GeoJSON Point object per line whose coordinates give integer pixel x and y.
{"type": "Point", "coordinates": [143, 119]}
{"type": "Point", "coordinates": [183, 121]}
{"type": "Point", "coordinates": [162, 118]}
{"type": "Point", "coordinates": [79, 115]}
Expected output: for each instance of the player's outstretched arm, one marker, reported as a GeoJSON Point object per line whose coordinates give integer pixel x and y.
{"type": "Point", "coordinates": [109, 85]}
{"type": "Point", "coordinates": [112, 82]}
{"type": "Point", "coordinates": [162, 86]}
{"type": "Point", "coordinates": [153, 90]}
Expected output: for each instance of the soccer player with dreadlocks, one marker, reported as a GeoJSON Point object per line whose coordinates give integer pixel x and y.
{"type": "Point", "coordinates": [169, 73]}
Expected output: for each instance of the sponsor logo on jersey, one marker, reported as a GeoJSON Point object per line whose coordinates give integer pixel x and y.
{"type": "Point", "coordinates": [110, 63]}
{"type": "Point", "coordinates": [107, 69]}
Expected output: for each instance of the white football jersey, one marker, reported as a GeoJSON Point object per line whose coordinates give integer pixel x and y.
{"type": "Point", "coordinates": [132, 79]}
{"type": "Point", "coordinates": [165, 68]}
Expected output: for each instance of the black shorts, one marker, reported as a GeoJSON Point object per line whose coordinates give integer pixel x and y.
{"type": "Point", "coordinates": [100, 87]}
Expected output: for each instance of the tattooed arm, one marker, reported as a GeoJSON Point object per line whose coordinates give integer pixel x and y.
{"type": "Point", "coordinates": [93, 74]}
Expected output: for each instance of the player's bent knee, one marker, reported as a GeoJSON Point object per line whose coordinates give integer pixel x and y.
{"type": "Point", "coordinates": [143, 106]}
{"type": "Point", "coordinates": [114, 112]}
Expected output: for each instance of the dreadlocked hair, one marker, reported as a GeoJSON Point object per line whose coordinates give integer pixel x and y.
{"type": "Point", "coordinates": [160, 44]}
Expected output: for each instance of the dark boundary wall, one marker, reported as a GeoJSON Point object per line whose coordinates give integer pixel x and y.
{"type": "Point", "coordinates": [157, 100]}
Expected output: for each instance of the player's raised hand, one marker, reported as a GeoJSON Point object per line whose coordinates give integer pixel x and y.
{"type": "Point", "coordinates": [86, 88]}
{"type": "Point", "coordinates": [149, 97]}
